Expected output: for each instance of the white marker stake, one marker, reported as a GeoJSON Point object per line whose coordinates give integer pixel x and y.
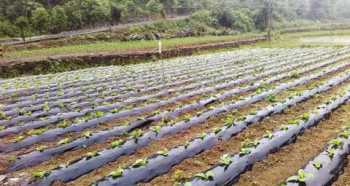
{"type": "Point", "coordinates": [159, 46]}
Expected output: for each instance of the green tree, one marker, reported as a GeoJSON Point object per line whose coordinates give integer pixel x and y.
{"type": "Point", "coordinates": [154, 7]}
{"type": "Point", "coordinates": [23, 25]}
{"type": "Point", "coordinates": [58, 20]}
{"type": "Point", "coordinates": [40, 19]}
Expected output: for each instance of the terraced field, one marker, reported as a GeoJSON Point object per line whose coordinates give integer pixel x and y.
{"type": "Point", "coordinates": [247, 117]}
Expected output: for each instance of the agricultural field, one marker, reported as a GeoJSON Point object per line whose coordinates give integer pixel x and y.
{"type": "Point", "coordinates": [254, 116]}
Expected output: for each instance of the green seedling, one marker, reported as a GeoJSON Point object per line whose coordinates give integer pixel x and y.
{"type": "Point", "coordinates": [202, 135]}
{"type": "Point", "coordinates": [140, 163]}
{"type": "Point", "coordinates": [164, 152]}
{"type": "Point", "coordinates": [271, 98]}
{"type": "Point", "coordinates": [87, 134]}
{"type": "Point", "coordinates": [205, 176]}
{"type": "Point", "coordinates": [117, 173]}
{"type": "Point", "coordinates": [336, 143]}
{"type": "Point", "coordinates": [19, 138]}
{"type": "Point", "coordinates": [156, 129]}
{"type": "Point", "coordinates": [305, 117]}
{"type": "Point", "coordinates": [317, 165]}
{"type": "Point", "coordinates": [40, 174]}
{"type": "Point", "coordinates": [345, 134]}
{"type": "Point", "coordinates": [268, 135]}
{"type": "Point", "coordinates": [225, 160]}
{"type": "Point", "coordinates": [300, 178]}
{"type": "Point", "coordinates": [136, 134]}
{"type": "Point", "coordinates": [90, 155]}
{"type": "Point", "coordinates": [41, 148]}
{"type": "Point", "coordinates": [117, 143]}
{"type": "Point", "coordinates": [244, 151]}
{"type": "Point", "coordinates": [63, 141]}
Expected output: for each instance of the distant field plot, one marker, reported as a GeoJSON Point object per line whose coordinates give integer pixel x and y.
{"type": "Point", "coordinates": [246, 117]}
{"type": "Point", "coordinates": [327, 40]}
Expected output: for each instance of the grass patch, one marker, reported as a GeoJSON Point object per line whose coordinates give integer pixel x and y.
{"type": "Point", "coordinates": [120, 46]}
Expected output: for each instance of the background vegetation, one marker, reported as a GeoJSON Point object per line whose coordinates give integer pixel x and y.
{"type": "Point", "coordinates": [34, 17]}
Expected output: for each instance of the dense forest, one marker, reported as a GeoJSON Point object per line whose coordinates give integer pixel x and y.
{"type": "Point", "coordinates": [33, 17]}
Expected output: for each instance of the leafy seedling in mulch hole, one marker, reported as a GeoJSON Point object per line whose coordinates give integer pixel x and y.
{"type": "Point", "coordinates": [90, 155]}
{"type": "Point", "coordinates": [46, 107]}
{"type": "Point", "coordinates": [3, 116]}
{"type": "Point", "coordinates": [268, 135]}
{"type": "Point", "coordinates": [331, 152]}
{"type": "Point", "coordinates": [156, 129]}
{"type": "Point", "coordinates": [202, 135]}
{"type": "Point", "coordinates": [284, 127]}
{"type": "Point", "coordinates": [225, 160]}
{"type": "Point", "coordinates": [117, 173]}
{"type": "Point", "coordinates": [19, 138]}
{"type": "Point", "coordinates": [271, 99]}
{"type": "Point", "coordinates": [87, 134]}
{"type": "Point", "coordinates": [40, 174]}
{"type": "Point", "coordinates": [41, 148]}
{"type": "Point", "coordinates": [300, 178]}
{"type": "Point", "coordinates": [114, 111]}
{"type": "Point", "coordinates": [317, 165]}
{"type": "Point", "coordinates": [117, 143]}
{"type": "Point", "coordinates": [229, 121]}
{"type": "Point", "coordinates": [63, 124]}
{"type": "Point", "coordinates": [293, 122]}
{"type": "Point", "coordinates": [187, 117]}
{"type": "Point", "coordinates": [140, 163]}
{"type": "Point", "coordinates": [305, 117]}
{"type": "Point", "coordinates": [244, 151]}
{"type": "Point", "coordinates": [217, 130]}
{"type": "Point", "coordinates": [164, 152]}
{"type": "Point", "coordinates": [205, 176]}
{"type": "Point", "coordinates": [344, 134]}
{"type": "Point", "coordinates": [36, 132]}
{"type": "Point", "coordinates": [250, 144]}
{"type": "Point", "coordinates": [99, 114]}
{"type": "Point", "coordinates": [63, 141]}
{"type": "Point", "coordinates": [136, 134]}
{"type": "Point", "coordinates": [336, 143]}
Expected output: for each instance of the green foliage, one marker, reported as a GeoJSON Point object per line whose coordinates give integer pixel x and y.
{"type": "Point", "coordinates": [40, 20]}
{"type": "Point", "coordinates": [58, 19]}
{"type": "Point", "coordinates": [205, 176]}
{"type": "Point", "coordinates": [300, 178]}
{"type": "Point", "coordinates": [117, 173]}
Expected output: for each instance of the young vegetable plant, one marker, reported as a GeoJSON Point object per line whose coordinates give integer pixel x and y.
{"type": "Point", "coordinates": [41, 148]}
{"type": "Point", "coordinates": [117, 143]}
{"type": "Point", "coordinates": [164, 152]}
{"type": "Point", "coordinates": [300, 178]}
{"type": "Point", "coordinates": [87, 134]}
{"type": "Point", "coordinates": [90, 155]}
{"type": "Point", "coordinates": [40, 174]}
{"type": "Point", "coordinates": [268, 135]}
{"type": "Point", "coordinates": [225, 160]}
{"type": "Point", "coordinates": [136, 134]}
{"type": "Point", "coordinates": [229, 121]}
{"type": "Point", "coordinates": [63, 141]}
{"type": "Point", "coordinates": [335, 143]}
{"type": "Point", "coordinates": [156, 129]}
{"type": "Point", "coordinates": [305, 117]}
{"type": "Point", "coordinates": [317, 165]}
{"type": "Point", "coordinates": [271, 99]}
{"type": "Point", "coordinates": [205, 176]}
{"type": "Point", "coordinates": [140, 163]}
{"type": "Point", "coordinates": [117, 173]}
